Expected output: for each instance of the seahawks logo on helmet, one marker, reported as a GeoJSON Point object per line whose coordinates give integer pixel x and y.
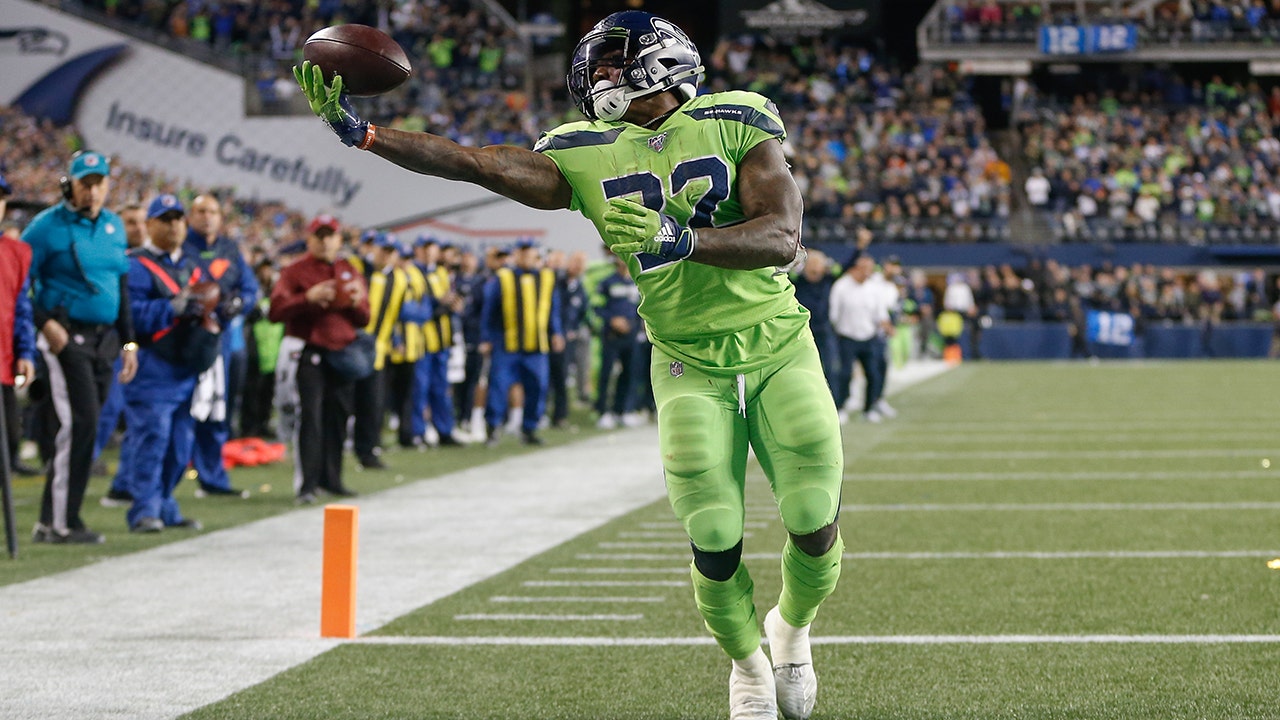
{"type": "Point", "coordinates": [645, 53]}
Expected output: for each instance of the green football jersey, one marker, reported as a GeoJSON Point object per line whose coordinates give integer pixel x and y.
{"type": "Point", "coordinates": [687, 168]}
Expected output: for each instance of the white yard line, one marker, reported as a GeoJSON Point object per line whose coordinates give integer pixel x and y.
{"type": "Point", "coordinates": [520, 617]}
{"type": "Point", "coordinates": [1039, 507]}
{"type": "Point", "coordinates": [953, 455]}
{"type": "Point", "coordinates": [1102, 475]}
{"type": "Point", "coordinates": [836, 640]}
{"type": "Point", "coordinates": [683, 570]}
{"type": "Point", "coordinates": [574, 599]}
{"type": "Point", "coordinates": [991, 555]}
{"type": "Point", "coordinates": [605, 583]}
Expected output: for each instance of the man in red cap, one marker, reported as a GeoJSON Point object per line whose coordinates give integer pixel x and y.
{"type": "Point", "coordinates": [322, 300]}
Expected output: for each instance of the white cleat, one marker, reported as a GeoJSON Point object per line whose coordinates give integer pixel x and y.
{"type": "Point", "coordinates": [886, 409]}
{"type": "Point", "coordinates": [797, 684]}
{"type": "Point", "coordinates": [607, 421]}
{"type": "Point", "coordinates": [752, 695]}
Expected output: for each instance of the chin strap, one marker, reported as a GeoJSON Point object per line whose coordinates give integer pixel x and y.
{"type": "Point", "coordinates": [611, 104]}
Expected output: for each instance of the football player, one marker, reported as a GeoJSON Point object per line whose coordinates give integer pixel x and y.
{"type": "Point", "coordinates": [694, 191]}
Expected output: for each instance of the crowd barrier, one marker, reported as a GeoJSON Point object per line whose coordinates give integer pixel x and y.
{"type": "Point", "coordinates": [1053, 341]}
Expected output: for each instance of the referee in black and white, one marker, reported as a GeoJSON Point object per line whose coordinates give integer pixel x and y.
{"type": "Point", "coordinates": [81, 307]}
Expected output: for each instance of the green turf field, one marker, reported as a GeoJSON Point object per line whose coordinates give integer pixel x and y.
{"type": "Point", "coordinates": [1024, 541]}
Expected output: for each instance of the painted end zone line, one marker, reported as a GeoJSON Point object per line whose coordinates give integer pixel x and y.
{"type": "Point", "coordinates": [841, 640]}
{"type": "Point", "coordinates": [995, 555]}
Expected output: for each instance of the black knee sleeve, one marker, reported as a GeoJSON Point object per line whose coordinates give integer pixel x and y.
{"type": "Point", "coordinates": [718, 566]}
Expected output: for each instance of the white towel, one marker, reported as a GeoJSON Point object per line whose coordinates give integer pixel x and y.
{"type": "Point", "coordinates": [209, 402]}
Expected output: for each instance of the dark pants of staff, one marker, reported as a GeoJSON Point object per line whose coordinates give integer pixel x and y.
{"type": "Point", "coordinates": [464, 393]}
{"type": "Point", "coordinates": [866, 353]}
{"type": "Point", "coordinates": [399, 398]}
{"type": "Point", "coordinates": [559, 389]}
{"type": "Point", "coordinates": [79, 378]}
{"type": "Point", "coordinates": [13, 423]}
{"type": "Point", "coordinates": [326, 401]}
{"type": "Point", "coordinates": [370, 395]}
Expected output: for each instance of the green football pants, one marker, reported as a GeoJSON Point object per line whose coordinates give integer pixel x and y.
{"type": "Point", "coordinates": [706, 422]}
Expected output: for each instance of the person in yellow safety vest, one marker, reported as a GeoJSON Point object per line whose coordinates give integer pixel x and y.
{"type": "Point", "coordinates": [439, 305]}
{"type": "Point", "coordinates": [406, 348]}
{"type": "Point", "coordinates": [387, 287]}
{"type": "Point", "coordinates": [519, 327]}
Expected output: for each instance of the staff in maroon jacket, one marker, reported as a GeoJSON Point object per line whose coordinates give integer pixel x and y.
{"type": "Point", "coordinates": [322, 300]}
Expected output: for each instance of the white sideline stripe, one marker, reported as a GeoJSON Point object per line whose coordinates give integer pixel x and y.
{"type": "Point", "coordinates": [684, 570]}
{"type": "Point", "coordinates": [669, 536]}
{"type": "Point", "coordinates": [642, 545]}
{"type": "Point", "coordinates": [1101, 425]}
{"type": "Point", "coordinates": [1055, 507]}
{"type": "Point", "coordinates": [1104, 438]}
{"type": "Point", "coordinates": [550, 618]}
{"type": "Point", "coordinates": [1095, 475]}
{"type": "Point", "coordinates": [994, 555]}
{"type": "Point", "coordinates": [606, 583]}
{"type": "Point", "coordinates": [572, 599]}
{"type": "Point", "coordinates": [675, 525]}
{"type": "Point", "coordinates": [1060, 555]}
{"type": "Point", "coordinates": [836, 640]}
{"type": "Point", "coordinates": [1075, 454]}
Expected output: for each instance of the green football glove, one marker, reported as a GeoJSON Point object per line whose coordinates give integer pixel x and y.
{"type": "Point", "coordinates": [633, 228]}
{"type": "Point", "coordinates": [332, 105]}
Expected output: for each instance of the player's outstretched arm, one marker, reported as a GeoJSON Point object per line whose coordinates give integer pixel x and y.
{"type": "Point", "coordinates": [769, 237]}
{"type": "Point", "coordinates": [522, 175]}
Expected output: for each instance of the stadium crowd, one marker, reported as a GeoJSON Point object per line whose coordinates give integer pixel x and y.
{"type": "Point", "coordinates": [1174, 161]}
{"type": "Point", "coordinates": [1202, 21]}
{"type": "Point", "coordinates": [902, 153]}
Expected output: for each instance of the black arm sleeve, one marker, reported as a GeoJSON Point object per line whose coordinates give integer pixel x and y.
{"type": "Point", "coordinates": [124, 321]}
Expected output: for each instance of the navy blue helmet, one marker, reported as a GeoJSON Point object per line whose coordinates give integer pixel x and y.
{"type": "Point", "coordinates": [653, 55]}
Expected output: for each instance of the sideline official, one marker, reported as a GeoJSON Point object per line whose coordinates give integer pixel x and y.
{"type": "Point", "coordinates": [387, 285]}
{"type": "Point", "coordinates": [520, 326]}
{"type": "Point", "coordinates": [322, 300]}
{"type": "Point", "coordinates": [81, 305]}
{"type": "Point", "coordinates": [178, 343]}
{"type": "Point", "coordinates": [221, 257]}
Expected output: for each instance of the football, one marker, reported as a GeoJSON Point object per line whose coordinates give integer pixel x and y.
{"type": "Point", "coordinates": [369, 61]}
{"type": "Point", "coordinates": [208, 295]}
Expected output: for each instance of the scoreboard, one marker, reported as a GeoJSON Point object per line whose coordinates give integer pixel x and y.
{"type": "Point", "coordinates": [1088, 39]}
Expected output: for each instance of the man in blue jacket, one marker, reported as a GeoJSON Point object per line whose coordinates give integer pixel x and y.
{"type": "Point", "coordinates": [221, 257]}
{"type": "Point", "coordinates": [81, 307]}
{"type": "Point", "coordinates": [176, 346]}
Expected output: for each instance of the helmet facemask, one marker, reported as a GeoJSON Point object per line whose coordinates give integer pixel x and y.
{"type": "Point", "coordinates": [650, 54]}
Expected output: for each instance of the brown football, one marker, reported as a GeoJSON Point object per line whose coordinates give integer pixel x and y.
{"type": "Point", "coordinates": [208, 294]}
{"type": "Point", "coordinates": [369, 61]}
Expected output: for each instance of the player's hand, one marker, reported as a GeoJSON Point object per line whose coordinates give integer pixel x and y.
{"type": "Point", "coordinates": [633, 228]}
{"type": "Point", "coordinates": [331, 104]}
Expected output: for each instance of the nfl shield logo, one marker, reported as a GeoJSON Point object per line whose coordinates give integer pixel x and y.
{"type": "Point", "coordinates": [677, 368]}
{"type": "Point", "coordinates": [657, 142]}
